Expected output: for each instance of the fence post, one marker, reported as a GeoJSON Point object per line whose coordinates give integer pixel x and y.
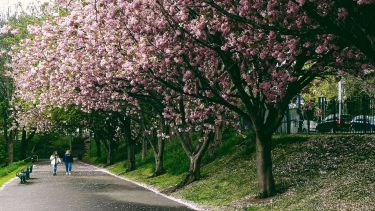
{"type": "Point", "coordinates": [322, 102]}
{"type": "Point", "coordinates": [288, 120]}
{"type": "Point", "coordinates": [299, 112]}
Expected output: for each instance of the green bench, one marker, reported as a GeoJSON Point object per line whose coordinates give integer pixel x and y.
{"type": "Point", "coordinates": [24, 174]}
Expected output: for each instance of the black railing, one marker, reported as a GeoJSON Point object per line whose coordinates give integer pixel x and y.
{"type": "Point", "coordinates": [354, 115]}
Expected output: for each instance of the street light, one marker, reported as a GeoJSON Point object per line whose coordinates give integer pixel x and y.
{"type": "Point", "coordinates": [340, 99]}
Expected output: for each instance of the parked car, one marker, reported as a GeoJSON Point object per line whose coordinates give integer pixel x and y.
{"type": "Point", "coordinates": [363, 123]}
{"type": "Point", "coordinates": [332, 123]}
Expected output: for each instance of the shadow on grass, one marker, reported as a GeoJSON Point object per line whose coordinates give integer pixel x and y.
{"type": "Point", "coordinates": [300, 160]}
{"type": "Point", "coordinates": [284, 140]}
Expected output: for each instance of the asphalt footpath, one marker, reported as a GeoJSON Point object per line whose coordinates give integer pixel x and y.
{"type": "Point", "coordinates": [88, 188]}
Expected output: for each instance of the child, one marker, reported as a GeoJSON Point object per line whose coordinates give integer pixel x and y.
{"type": "Point", "coordinates": [54, 161]}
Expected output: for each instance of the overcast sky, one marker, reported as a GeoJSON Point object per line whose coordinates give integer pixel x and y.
{"type": "Point", "coordinates": [5, 4]}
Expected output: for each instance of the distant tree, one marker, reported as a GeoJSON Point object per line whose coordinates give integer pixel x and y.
{"type": "Point", "coordinates": [12, 31]}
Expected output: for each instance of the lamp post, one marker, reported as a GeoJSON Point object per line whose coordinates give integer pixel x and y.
{"type": "Point", "coordinates": [322, 107]}
{"type": "Point", "coordinates": [340, 99]}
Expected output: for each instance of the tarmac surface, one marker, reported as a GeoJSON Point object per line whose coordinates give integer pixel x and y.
{"type": "Point", "coordinates": [88, 188]}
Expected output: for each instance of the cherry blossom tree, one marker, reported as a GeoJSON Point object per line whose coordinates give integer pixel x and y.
{"type": "Point", "coordinates": [66, 70]}
{"type": "Point", "coordinates": [12, 31]}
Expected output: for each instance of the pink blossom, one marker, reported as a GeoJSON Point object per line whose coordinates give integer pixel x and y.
{"type": "Point", "coordinates": [301, 2]}
{"type": "Point", "coordinates": [265, 86]}
{"type": "Point", "coordinates": [272, 35]}
{"type": "Point", "coordinates": [319, 49]}
{"type": "Point", "coordinates": [360, 2]}
{"type": "Point", "coordinates": [5, 29]}
{"type": "Point", "coordinates": [187, 75]}
{"type": "Point", "coordinates": [342, 13]}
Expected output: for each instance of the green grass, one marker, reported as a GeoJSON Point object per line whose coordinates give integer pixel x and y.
{"type": "Point", "coordinates": [9, 172]}
{"type": "Point", "coordinates": [313, 172]}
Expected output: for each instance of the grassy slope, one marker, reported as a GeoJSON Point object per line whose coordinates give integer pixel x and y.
{"type": "Point", "coordinates": [9, 172]}
{"type": "Point", "coordinates": [312, 173]}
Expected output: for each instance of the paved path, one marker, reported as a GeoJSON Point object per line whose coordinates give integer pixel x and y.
{"type": "Point", "coordinates": [87, 188]}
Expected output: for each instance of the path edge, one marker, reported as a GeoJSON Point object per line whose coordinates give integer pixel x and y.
{"type": "Point", "coordinates": [150, 188]}
{"type": "Point", "coordinates": [7, 183]}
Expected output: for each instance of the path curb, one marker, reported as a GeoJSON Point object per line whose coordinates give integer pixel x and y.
{"type": "Point", "coordinates": [7, 183]}
{"type": "Point", "coordinates": [181, 201]}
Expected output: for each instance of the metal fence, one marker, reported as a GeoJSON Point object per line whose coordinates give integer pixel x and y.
{"type": "Point", "coordinates": [353, 115]}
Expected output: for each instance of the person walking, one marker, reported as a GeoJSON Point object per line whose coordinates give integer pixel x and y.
{"type": "Point", "coordinates": [54, 161]}
{"type": "Point", "coordinates": [68, 160]}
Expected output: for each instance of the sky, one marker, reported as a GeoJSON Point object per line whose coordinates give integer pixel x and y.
{"type": "Point", "coordinates": [11, 4]}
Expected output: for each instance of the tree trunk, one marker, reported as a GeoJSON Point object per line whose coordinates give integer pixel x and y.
{"type": "Point", "coordinates": [144, 141]}
{"type": "Point", "coordinates": [10, 151]}
{"type": "Point", "coordinates": [131, 156]}
{"type": "Point", "coordinates": [144, 147]}
{"type": "Point", "coordinates": [70, 143]}
{"type": "Point", "coordinates": [194, 173]}
{"type": "Point", "coordinates": [288, 121]}
{"type": "Point", "coordinates": [10, 145]}
{"type": "Point", "coordinates": [131, 144]}
{"type": "Point", "coordinates": [158, 151]}
{"type": "Point", "coordinates": [264, 165]}
{"type": "Point", "coordinates": [159, 158]}
{"type": "Point", "coordinates": [24, 143]}
{"type": "Point", "coordinates": [33, 149]}
{"type": "Point", "coordinates": [195, 158]}
{"type": "Point", "coordinates": [87, 149]}
{"type": "Point", "coordinates": [110, 152]}
{"type": "Point", "coordinates": [98, 148]}
{"type": "Point", "coordinates": [215, 144]}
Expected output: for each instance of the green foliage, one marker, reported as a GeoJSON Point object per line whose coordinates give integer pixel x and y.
{"type": "Point", "coordinates": [20, 24]}
{"type": "Point", "coordinates": [358, 87]}
{"type": "Point", "coordinates": [14, 166]}
{"type": "Point", "coordinates": [47, 143]}
{"type": "Point", "coordinates": [67, 119]}
{"type": "Point", "coordinates": [173, 167]}
{"type": "Point", "coordinates": [3, 148]}
{"type": "Point", "coordinates": [231, 141]}
{"type": "Point", "coordinates": [43, 144]}
{"type": "Point", "coordinates": [326, 87]}
{"type": "Point", "coordinates": [93, 157]}
{"type": "Point", "coordinates": [3, 156]}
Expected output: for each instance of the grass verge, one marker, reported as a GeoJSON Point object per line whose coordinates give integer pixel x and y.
{"type": "Point", "coordinates": [9, 172]}
{"type": "Point", "coordinates": [318, 172]}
